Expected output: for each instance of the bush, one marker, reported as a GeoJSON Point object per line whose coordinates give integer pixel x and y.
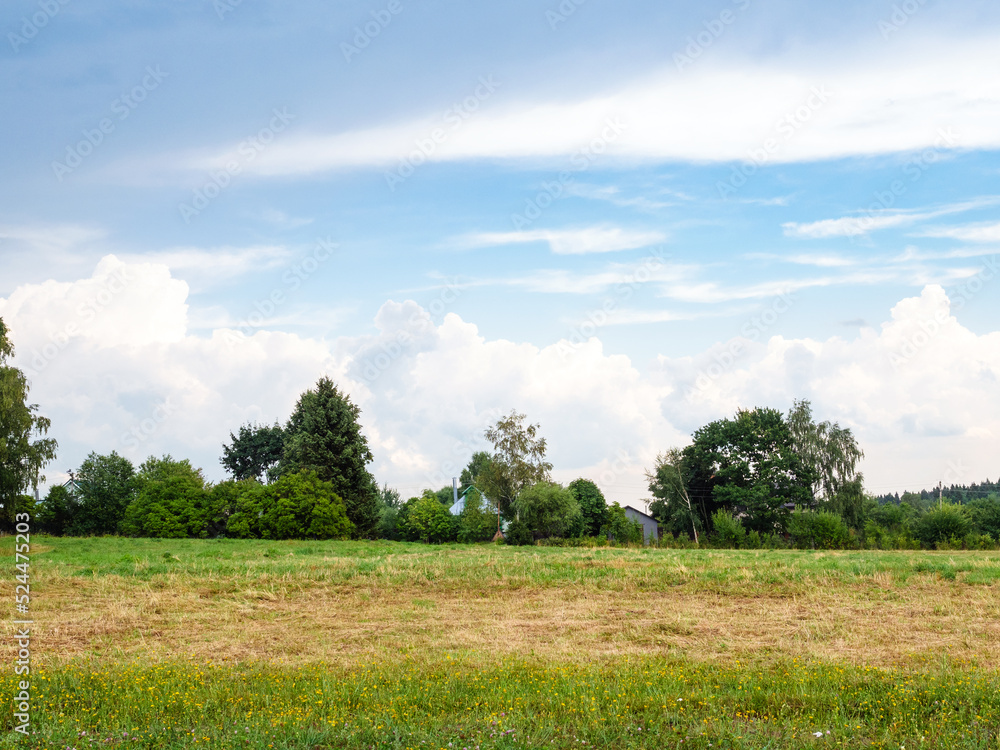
{"type": "Point", "coordinates": [429, 521]}
{"type": "Point", "coordinates": [301, 506]}
{"type": "Point", "coordinates": [549, 509]}
{"type": "Point", "coordinates": [519, 534]}
{"type": "Point", "coordinates": [822, 530]}
{"type": "Point", "coordinates": [476, 523]}
{"type": "Point", "coordinates": [942, 524]}
{"type": "Point", "coordinates": [620, 528]}
{"type": "Point", "coordinates": [729, 531]}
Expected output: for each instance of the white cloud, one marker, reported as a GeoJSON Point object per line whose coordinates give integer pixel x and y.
{"type": "Point", "coordinates": [600, 239]}
{"type": "Point", "coordinates": [874, 220]}
{"type": "Point", "coordinates": [921, 392]}
{"type": "Point", "coordinates": [49, 238]}
{"type": "Point", "coordinates": [722, 110]}
{"type": "Point", "coordinates": [217, 262]}
{"type": "Point", "coordinates": [980, 232]}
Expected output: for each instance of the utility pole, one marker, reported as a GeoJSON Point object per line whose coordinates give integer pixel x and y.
{"type": "Point", "coordinates": [939, 496]}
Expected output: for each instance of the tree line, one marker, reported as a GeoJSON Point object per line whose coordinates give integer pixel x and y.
{"type": "Point", "coordinates": [759, 479]}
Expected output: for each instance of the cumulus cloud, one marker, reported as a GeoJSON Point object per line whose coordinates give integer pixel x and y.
{"type": "Point", "coordinates": [920, 391]}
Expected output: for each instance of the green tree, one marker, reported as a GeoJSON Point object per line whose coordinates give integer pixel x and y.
{"type": "Point", "coordinates": [477, 465]}
{"type": "Point", "coordinates": [620, 528]}
{"type": "Point", "coordinates": [105, 487]}
{"type": "Point", "coordinates": [254, 453]}
{"type": "Point", "coordinates": [324, 435]}
{"type": "Point", "coordinates": [54, 515]}
{"type": "Point", "coordinates": [23, 452]}
{"type": "Point", "coordinates": [985, 515]}
{"type": "Point", "coordinates": [672, 506]}
{"type": "Point", "coordinates": [171, 502]}
{"type": "Point", "coordinates": [729, 531]}
{"type": "Point", "coordinates": [593, 506]}
{"type": "Point", "coordinates": [429, 521]}
{"type": "Point", "coordinates": [477, 522]}
{"type": "Point", "coordinates": [389, 508]}
{"type": "Point", "coordinates": [244, 502]}
{"type": "Point", "coordinates": [302, 506]}
{"type": "Point", "coordinates": [747, 464]}
{"type": "Point", "coordinates": [831, 453]}
{"type": "Point", "coordinates": [818, 530]}
{"type": "Point", "coordinates": [518, 461]}
{"type": "Point", "coordinates": [942, 524]}
{"type": "Point", "coordinates": [548, 510]}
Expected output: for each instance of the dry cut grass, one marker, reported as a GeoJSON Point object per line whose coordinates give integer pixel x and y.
{"type": "Point", "coordinates": [349, 603]}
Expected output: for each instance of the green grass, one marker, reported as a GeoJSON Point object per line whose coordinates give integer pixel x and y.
{"type": "Point", "coordinates": [395, 563]}
{"type": "Point", "coordinates": [413, 703]}
{"type": "Point", "coordinates": [262, 645]}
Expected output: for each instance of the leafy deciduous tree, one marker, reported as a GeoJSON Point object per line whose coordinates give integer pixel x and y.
{"type": "Point", "coordinates": [254, 453]}
{"type": "Point", "coordinates": [106, 485]}
{"type": "Point", "coordinates": [23, 452]}
{"type": "Point", "coordinates": [548, 510]}
{"type": "Point", "coordinates": [672, 506]}
{"type": "Point", "coordinates": [747, 463]}
{"type": "Point", "coordinates": [171, 502]}
{"type": "Point", "coordinates": [831, 453]}
{"type": "Point", "coordinates": [429, 521]}
{"type": "Point", "coordinates": [518, 461]}
{"type": "Point", "coordinates": [593, 505]}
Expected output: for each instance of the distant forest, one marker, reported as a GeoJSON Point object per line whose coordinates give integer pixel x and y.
{"type": "Point", "coordinates": [956, 493]}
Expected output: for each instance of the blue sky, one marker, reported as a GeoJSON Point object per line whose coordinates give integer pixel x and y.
{"type": "Point", "coordinates": [622, 219]}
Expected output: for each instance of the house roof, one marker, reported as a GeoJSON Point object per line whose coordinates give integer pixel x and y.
{"type": "Point", "coordinates": [641, 513]}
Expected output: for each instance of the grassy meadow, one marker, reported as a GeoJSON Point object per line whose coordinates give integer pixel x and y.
{"type": "Point", "coordinates": [257, 644]}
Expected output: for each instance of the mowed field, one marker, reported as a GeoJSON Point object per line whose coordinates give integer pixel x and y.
{"type": "Point", "coordinates": [224, 643]}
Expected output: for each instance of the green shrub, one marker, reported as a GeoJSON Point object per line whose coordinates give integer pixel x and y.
{"type": "Point", "coordinates": [940, 525]}
{"type": "Point", "coordinates": [729, 531]}
{"type": "Point", "coordinates": [753, 540]}
{"type": "Point", "coordinates": [620, 528]}
{"type": "Point", "coordinates": [519, 534]}
{"type": "Point", "coordinates": [818, 530]}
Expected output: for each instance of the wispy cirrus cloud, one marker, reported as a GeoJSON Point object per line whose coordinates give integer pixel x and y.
{"type": "Point", "coordinates": [871, 221]}
{"type": "Point", "coordinates": [599, 239]}
{"type": "Point", "coordinates": [218, 262]}
{"type": "Point", "coordinates": [49, 237]}
{"type": "Point", "coordinates": [924, 85]}
{"type": "Point", "coordinates": [979, 232]}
